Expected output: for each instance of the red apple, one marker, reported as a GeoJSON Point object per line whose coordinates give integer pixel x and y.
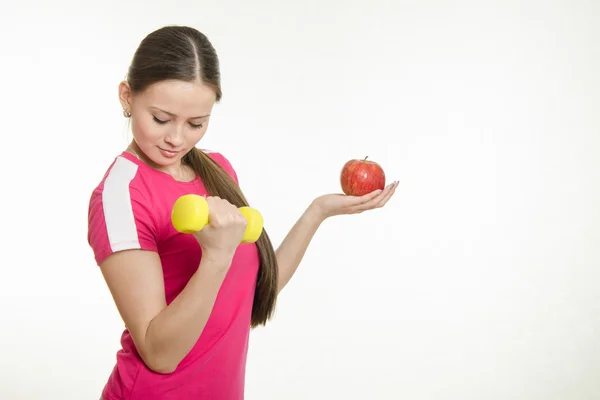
{"type": "Point", "coordinates": [360, 177]}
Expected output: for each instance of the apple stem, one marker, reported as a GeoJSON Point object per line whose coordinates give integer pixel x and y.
{"type": "Point", "coordinates": [365, 159]}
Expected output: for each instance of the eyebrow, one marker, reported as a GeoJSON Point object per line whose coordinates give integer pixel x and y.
{"type": "Point", "coordinates": [173, 115]}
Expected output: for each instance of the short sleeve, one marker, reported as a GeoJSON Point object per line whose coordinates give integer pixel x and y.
{"type": "Point", "coordinates": [224, 162]}
{"type": "Point", "coordinates": [119, 218]}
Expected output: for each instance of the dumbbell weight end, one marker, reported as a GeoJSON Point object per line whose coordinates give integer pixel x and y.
{"type": "Point", "coordinates": [190, 213]}
{"type": "Point", "coordinates": [255, 224]}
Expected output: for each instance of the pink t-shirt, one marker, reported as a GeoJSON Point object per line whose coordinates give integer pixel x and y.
{"type": "Point", "coordinates": [131, 209]}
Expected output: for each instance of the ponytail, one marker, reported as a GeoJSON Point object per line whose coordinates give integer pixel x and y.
{"type": "Point", "coordinates": [219, 183]}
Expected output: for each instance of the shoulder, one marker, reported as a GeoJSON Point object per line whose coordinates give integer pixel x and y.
{"type": "Point", "coordinates": [124, 175]}
{"type": "Point", "coordinates": [120, 216]}
{"type": "Point", "coordinates": [223, 161]}
{"type": "Point", "coordinates": [124, 191]}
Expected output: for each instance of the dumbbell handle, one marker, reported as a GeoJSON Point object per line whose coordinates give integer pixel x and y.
{"type": "Point", "coordinates": [190, 214]}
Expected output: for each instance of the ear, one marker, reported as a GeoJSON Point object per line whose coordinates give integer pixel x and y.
{"type": "Point", "coordinates": [125, 95]}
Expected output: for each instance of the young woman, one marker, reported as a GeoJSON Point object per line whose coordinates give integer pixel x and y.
{"type": "Point", "coordinates": [188, 301]}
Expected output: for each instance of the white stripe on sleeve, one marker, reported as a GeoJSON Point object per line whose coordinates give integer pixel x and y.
{"type": "Point", "coordinates": [118, 210]}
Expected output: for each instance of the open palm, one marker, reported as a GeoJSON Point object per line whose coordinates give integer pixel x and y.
{"type": "Point", "coordinates": [340, 204]}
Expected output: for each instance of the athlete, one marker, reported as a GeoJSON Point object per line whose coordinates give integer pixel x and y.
{"type": "Point", "coordinates": [188, 301]}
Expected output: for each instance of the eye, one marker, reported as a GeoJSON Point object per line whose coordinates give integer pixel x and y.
{"type": "Point", "coordinates": [197, 126]}
{"type": "Point", "coordinates": [159, 121]}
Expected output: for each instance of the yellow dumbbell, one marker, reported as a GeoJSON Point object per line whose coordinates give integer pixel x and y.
{"type": "Point", "coordinates": [190, 214]}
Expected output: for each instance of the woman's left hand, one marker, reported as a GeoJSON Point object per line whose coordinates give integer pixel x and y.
{"type": "Point", "coordinates": [339, 204]}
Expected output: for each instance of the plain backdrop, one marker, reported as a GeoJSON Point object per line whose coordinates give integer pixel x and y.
{"type": "Point", "coordinates": [478, 281]}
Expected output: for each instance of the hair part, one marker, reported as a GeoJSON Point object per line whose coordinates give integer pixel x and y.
{"type": "Point", "coordinates": [183, 53]}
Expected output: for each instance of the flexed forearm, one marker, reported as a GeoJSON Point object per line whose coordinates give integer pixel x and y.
{"type": "Point", "coordinates": [173, 332]}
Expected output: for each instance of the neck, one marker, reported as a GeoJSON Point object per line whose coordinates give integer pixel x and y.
{"type": "Point", "coordinates": [179, 172]}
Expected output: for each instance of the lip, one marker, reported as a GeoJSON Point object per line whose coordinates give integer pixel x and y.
{"type": "Point", "coordinates": [168, 153]}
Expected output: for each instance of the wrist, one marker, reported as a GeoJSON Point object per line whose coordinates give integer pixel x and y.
{"type": "Point", "coordinates": [216, 257]}
{"type": "Point", "coordinates": [315, 213]}
{"type": "Point", "coordinates": [215, 263]}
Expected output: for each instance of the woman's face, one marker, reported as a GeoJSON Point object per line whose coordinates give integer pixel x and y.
{"type": "Point", "coordinates": [168, 119]}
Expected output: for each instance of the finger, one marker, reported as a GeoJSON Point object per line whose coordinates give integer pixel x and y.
{"type": "Point", "coordinates": [240, 217]}
{"type": "Point", "coordinates": [382, 194]}
{"type": "Point", "coordinates": [367, 197]}
{"type": "Point", "coordinates": [381, 198]}
{"type": "Point", "coordinates": [353, 201]}
{"type": "Point", "coordinates": [219, 211]}
{"type": "Point", "coordinates": [387, 197]}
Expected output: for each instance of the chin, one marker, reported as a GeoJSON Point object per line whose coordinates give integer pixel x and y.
{"type": "Point", "coordinates": [167, 162]}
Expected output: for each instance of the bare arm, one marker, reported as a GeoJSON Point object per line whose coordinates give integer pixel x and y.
{"type": "Point", "coordinates": [292, 249]}
{"type": "Point", "coordinates": [162, 334]}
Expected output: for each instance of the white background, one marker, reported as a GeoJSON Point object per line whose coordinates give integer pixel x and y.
{"type": "Point", "coordinates": [478, 281]}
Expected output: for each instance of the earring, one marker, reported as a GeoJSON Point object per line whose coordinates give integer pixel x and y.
{"type": "Point", "coordinates": [126, 114]}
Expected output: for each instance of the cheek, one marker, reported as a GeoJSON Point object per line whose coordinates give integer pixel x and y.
{"type": "Point", "coordinates": [145, 131]}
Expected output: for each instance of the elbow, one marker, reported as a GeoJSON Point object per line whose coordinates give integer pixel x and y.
{"type": "Point", "coordinates": [156, 358]}
{"type": "Point", "coordinates": [163, 369]}
{"type": "Point", "coordinates": [158, 364]}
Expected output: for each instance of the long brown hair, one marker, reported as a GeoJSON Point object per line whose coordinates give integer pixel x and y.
{"type": "Point", "coordinates": [183, 53]}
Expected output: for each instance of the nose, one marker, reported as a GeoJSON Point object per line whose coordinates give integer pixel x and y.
{"type": "Point", "coordinates": [175, 137]}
